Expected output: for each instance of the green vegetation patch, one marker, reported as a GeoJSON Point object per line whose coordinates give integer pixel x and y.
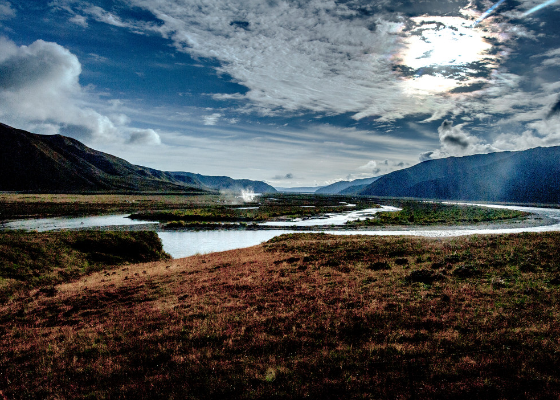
{"type": "Point", "coordinates": [29, 260]}
{"type": "Point", "coordinates": [18, 206]}
{"type": "Point", "coordinates": [427, 213]}
{"type": "Point", "coordinates": [266, 208]}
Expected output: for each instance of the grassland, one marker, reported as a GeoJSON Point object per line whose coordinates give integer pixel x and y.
{"type": "Point", "coordinates": [30, 260]}
{"type": "Point", "coordinates": [305, 315]}
{"type": "Point", "coordinates": [287, 207]}
{"type": "Point", "coordinates": [429, 213]}
{"type": "Point", "coordinates": [265, 208]}
{"type": "Point", "coordinates": [17, 206]}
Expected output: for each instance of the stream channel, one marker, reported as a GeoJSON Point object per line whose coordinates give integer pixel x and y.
{"type": "Point", "coordinates": [184, 243]}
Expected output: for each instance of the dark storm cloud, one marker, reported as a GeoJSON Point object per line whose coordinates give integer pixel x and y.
{"type": "Point", "coordinates": [240, 24]}
{"type": "Point", "coordinates": [79, 132]}
{"type": "Point", "coordinates": [288, 176]}
{"type": "Point", "coordinates": [450, 136]}
{"type": "Point", "coordinates": [426, 156]}
{"type": "Point", "coordinates": [555, 110]}
{"type": "Point", "coordinates": [455, 140]}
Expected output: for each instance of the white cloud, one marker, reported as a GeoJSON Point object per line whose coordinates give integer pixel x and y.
{"type": "Point", "coordinates": [104, 16]}
{"type": "Point", "coordinates": [377, 168]}
{"type": "Point", "coordinates": [144, 137]}
{"type": "Point", "coordinates": [317, 56]}
{"type": "Point", "coordinates": [456, 142]}
{"type": "Point", "coordinates": [370, 165]}
{"type": "Point", "coordinates": [40, 91]}
{"type": "Point", "coordinates": [79, 20]}
{"type": "Point", "coordinates": [211, 119]}
{"type": "Point", "coordinates": [6, 10]}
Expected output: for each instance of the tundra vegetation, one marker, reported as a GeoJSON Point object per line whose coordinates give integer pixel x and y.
{"type": "Point", "coordinates": [229, 211]}
{"type": "Point", "coordinates": [432, 213]}
{"type": "Point", "coordinates": [287, 207]}
{"type": "Point", "coordinates": [20, 205]}
{"type": "Point", "coordinates": [31, 260]}
{"type": "Point", "coordinates": [264, 208]}
{"type": "Point", "coordinates": [303, 315]}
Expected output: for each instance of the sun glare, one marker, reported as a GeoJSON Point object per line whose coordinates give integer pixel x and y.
{"type": "Point", "coordinates": [431, 84]}
{"type": "Point", "coordinates": [442, 47]}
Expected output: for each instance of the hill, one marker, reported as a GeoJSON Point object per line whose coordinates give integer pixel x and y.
{"type": "Point", "coordinates": [56, 163]}
{"type": "Point", "coordinates": [224, 182]}
{"type": "Point", "coordinates": [299, 189]}
{"type": "Point", "coordinates": [302, 316]}
{"type": "Point", "coordinates": [353, 190]}
{"type": "Point", "coordinates": [338, 187]}
{"type": "Point", "coordinates": [530, 176]}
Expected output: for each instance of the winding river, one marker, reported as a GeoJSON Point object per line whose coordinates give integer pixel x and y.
{"type": "Point", "coordinates": [183, 243]}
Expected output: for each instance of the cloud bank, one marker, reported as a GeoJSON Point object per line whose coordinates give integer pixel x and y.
{"type": "Point", "coordinates": [40, 91]}
{"type": "Point", "coordinates": [314, 56]}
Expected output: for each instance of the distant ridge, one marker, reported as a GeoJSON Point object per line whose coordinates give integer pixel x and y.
{"type": "Point", "coordinates": [299, 189]}
{"type": "Point", "coordinates": [224, 182]}
{"type": "Point", "coordinates": [530, 176]}
{"type": "Point", "coordinates": [55, 163]}
{"type": "Point", "coordinates": [339, 187]}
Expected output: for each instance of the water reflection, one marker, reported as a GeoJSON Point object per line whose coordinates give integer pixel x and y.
{"type": "Point", "coordinates": [187, 243]}
{"type": "Point", "coordinates": [332, 219]}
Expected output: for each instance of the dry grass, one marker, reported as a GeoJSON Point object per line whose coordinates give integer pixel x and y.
{"type": "Point", "coordinates": [14, 206]}
{"type": "Point", "coordinates": [306, 315]}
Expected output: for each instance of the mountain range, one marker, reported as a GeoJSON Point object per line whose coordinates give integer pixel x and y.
{"type": "Point", "coordinates": [344, 186]}
{"type": "Point", "coordinates": [530, 176]}
{"type": "Point", "coordinates": [299, 189]}
{"type": "Point", "coordinates": [56, 163]}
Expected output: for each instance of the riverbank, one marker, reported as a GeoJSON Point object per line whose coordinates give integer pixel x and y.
{"type": "Point", "coordinates": [303, 315]}
{"type": "Point", "coordinates": [14, 206]}
{"type": "Point", "coordinates": [31, 260]}
{"type": "Point", "coordinates": [529, 221]}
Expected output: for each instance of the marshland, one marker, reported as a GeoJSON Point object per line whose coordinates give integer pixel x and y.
{"type": "Point", "coordinates": [107, 314]}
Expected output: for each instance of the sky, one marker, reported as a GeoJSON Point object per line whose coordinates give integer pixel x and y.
{"type": "Point", "coordinates": [290, 92]}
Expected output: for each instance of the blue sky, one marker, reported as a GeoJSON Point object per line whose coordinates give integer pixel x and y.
{"type": "Point", "coordinates": [295, 93]}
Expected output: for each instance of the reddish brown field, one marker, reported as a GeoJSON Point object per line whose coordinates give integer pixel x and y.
{"type": "Point", "coordinates": [307, 315]}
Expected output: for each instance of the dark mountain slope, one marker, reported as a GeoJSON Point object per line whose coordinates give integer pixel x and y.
{"type": "Point", "coordinates": [338, 187]}
{"type": "Point", "coordinates": [524, 176]}
{"type": "Point", "coordinates": [353, 190]}
{"type": "Point", "coordinates": [224, 182]}
{"type": "Point", "coordinates": [57, 163]}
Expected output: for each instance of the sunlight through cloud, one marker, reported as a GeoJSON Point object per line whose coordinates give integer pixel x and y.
{"type": "Point", "coordinates": [438, 52]}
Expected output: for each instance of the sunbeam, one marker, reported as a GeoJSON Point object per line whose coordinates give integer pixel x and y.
{"type": "Point", "coordinates": [537, 8]}
{"type": "Point", "coordinates": [487, 13]}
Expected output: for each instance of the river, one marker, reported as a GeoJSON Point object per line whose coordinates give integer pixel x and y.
{"type": "Point", "coordinates": [183, 243]}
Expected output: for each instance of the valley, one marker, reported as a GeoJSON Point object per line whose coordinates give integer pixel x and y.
{"type": "Point", "coordinates": [326, 295]}
{"type": "Point", "coordinates": [303, 315]}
